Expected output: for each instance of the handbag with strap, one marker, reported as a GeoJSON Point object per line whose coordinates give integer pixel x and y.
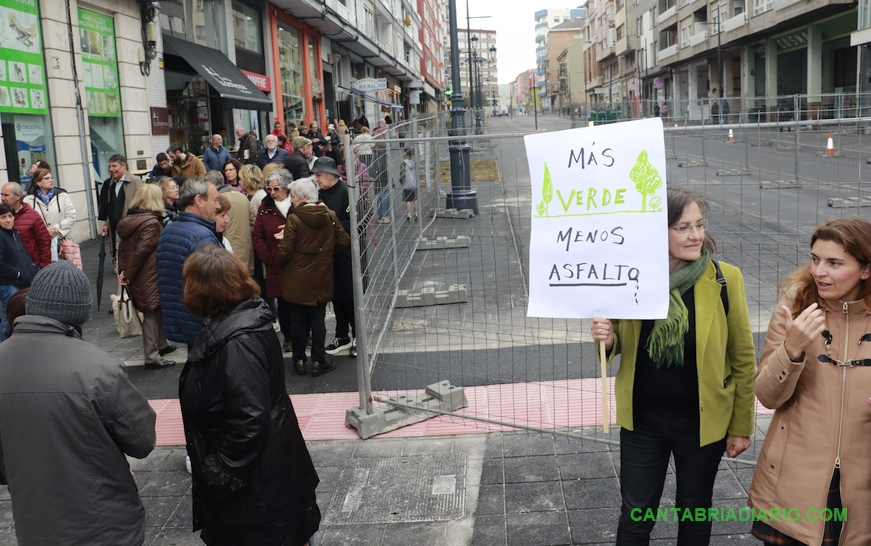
{"type": "Point", "coordinates": [126, 317]}
{"type": "Point", "coordinates": [70, 250]}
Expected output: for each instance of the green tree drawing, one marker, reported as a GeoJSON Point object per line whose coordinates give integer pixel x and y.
{"type": "Point", "coordinates": [546, 193]}
{"type": "Point", "coordinates": [647, 181]}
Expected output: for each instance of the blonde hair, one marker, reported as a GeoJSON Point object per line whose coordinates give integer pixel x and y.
{"type": "Point", "coordinates": [251, 178]}
{"type": "Point", "coordinates": [148, 197]}
{"type": "Point", "coordinates": [270, 168]}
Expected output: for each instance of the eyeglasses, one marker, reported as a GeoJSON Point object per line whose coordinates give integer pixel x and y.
{"type": "Point", "coordinates": [273, 188]}
{"type": "Point", "coordinates": [684, 229]}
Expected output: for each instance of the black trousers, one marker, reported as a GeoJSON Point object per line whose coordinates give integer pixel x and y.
{"type": "Point", "coordinates": [644, 455]}
{"type": "Point", "coordinates": [345, 321]}
{"type": "Point", "coordinates": [283, 313]}
{"type": "Point", "coordinates": [305, 319]}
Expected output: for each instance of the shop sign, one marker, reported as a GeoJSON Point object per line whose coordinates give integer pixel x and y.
{"type": "Point", "coordinates": [370, 84]}
{"type": "Point", "coordinates": [22, 78]}
{"type": "Point", "coordinates": [159, 121]}
{"type": "Point", "coordinates": [29, 141]}
{"type": "Point", "coordinates": [793, 40]}
{"type": "Point", "coordinates": [97, 37]}
{"type": "Point", "coordinates": [259, 80]}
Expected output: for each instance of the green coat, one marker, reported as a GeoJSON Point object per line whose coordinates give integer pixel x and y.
{"type": "Point", "coordinates": [724, 349]}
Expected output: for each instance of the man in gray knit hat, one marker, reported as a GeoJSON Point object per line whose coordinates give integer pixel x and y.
{"type": "Point", "coordinates": [68, 416]}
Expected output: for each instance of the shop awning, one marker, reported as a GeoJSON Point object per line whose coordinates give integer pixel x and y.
{"type": "Point", "coordinates": [372, 98]}
{"type": "Point", "coordinates": [235, 88]}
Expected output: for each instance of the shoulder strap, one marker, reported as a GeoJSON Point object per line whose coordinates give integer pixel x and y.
{"type": "Point", "coordinates": [724, 295]}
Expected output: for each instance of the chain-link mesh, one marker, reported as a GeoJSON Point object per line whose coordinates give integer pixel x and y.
{"type": "Point", "coordinates": [769, 186]}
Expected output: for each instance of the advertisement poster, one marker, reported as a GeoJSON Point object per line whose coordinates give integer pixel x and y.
{"type": "Point", "coordinates": [97, 36]}
{"type": "Point", "coordinates": [22, 81]}
{"type": "Point", "coordinates": [30, 142]}
{"type": "Point", "coordinates": [599, 238]}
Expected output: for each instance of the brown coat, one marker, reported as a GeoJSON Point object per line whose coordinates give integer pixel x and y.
{"type": "Point", "coordinates": [305, 255]}
{"type": "Point", "coordinates": [137, 257]}
{"type": "Point", "coordinates": [192, 166]}
{"type": "Point", "coordinates": [238, 231]}
{"type": "Point", "coordinates": [822, 415]}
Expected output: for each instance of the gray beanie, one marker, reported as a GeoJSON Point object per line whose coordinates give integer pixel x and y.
{"type": "Point", "coordinates": [62, 292]}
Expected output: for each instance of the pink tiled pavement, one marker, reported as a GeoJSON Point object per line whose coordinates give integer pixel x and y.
{"type": "Point", "coordinates": [548, 404]}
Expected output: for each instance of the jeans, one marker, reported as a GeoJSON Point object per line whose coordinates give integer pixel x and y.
{"type": "Point", "coordinates": [6, 291]}
{"type": "Point", "coordinates": [644, 455]}
{"type": "Point", "coordinates": [384, 203]}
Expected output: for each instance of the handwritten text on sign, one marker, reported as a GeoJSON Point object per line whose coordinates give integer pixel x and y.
{"type": "Point", "coordinates": [599, 242]}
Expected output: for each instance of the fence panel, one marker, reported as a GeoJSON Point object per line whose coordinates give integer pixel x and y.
{"type": "Point", "coordinates": [768, 186]}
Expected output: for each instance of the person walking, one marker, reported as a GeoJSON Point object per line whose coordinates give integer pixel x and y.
{"type": "Point", "coordinates": [16, 267]}
{"type": "Point", "coordinates": [253, 478]}
{"type": "Point", "coordinates": [216, 155]}
{"type": "Point", "coordinates": [305, 258]}
{"type": "Point", "coordinates": [116, 195]}
{"type": "Point", "coordinates": [246, 152]}
{"type": "Point", "coordinates": [69, 418]}
{"type": "Point", "coordinates": [268, 230]}
{"type": "Point", "coordinates": [685, 383]}
{"type": "Point", "coordinates": [30, 225]}
{"type": "Point", "coordinates": [139, 233]}
{"type": "Point", "coordinates": [814, 374]}
{"type": "Point", "coordinates": [334, 194]}
{"type": "Point", "coordinates": [54, 206]}
{"type": "Point", "coordinates": [408, 176]}
{"type": "Point", "coordinates": [195, 227]}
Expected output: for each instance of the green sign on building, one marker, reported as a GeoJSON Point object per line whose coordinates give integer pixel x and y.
{"type": "Point", "coordinates": [97, 36]}
{"type": "Point", "coordinates": [22, 72]}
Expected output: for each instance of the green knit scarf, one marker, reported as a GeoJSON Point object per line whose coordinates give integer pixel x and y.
{"type": "Point", "coordinates": [665, 344]}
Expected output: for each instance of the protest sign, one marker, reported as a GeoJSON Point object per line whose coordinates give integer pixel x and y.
{"type": "Point", "coordinates": [599, 238]}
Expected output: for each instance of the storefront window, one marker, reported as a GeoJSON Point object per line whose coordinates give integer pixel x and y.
{"type": "Point", "coordinates": [97, 38]}
{"type": "Point", "coordinates": [292, 85]}
{"type": "Point", "coordinates": [187, 100]}
{"type": "Point", "coordinates": [23, 100]}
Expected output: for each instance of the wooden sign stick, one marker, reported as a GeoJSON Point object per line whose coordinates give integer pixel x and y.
{"type": "Point", "coordinates": [606, 411]}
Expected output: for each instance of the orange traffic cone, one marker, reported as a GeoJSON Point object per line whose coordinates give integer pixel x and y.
{"type": "Point", "coordinates": [731, 136]}
{"type": "Point", "coordinates": [830, 146]}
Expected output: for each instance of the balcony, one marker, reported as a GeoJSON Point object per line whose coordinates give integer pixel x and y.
{"type": "Point", "coordinates": [540, 49]}
{"type": "Point", "coordinates": [604, 54]}
{"type": "Point", "coordinates": [624, 44]}
{"type": "Point", "coordinates": [343, 11]}
{"type": "Point", "coordinates": [539, 38]}
{"type": "Point", "coordinates": [665, 15]}
{"type": "Point", "coordinates": [698, 38]}
{"type": "Point", "coordinates": [665, 53]}
{"type": "Point", "coordinates": [735, 22]}
{"type": "Point", "coordinates": [539, 83]}
{"type": "Point", "coordinates": [780, 4]}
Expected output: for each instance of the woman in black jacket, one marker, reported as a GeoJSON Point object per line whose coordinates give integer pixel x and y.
{"type": "Point", "coordinates": [253, 479]}
{"type": "Point", "coordinates": [16, 267]}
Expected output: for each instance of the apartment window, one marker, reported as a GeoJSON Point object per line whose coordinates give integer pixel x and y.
{"type": "Point", "coordinates": [556, 19]}
{"type": "Point", "coordinates": [653, 18]}
{"type": "Point", "coordinates": [638, 27]}
{"type": "Point", "coordinates": [685, 34]}
{"type": "Point", "coordinates": [620, 4]}
{"type": "Point", "coordinates": [246, 28]}
{"type": "Point", "coordinates": [621, 31]}
{"type": "Point", "coordinates": [761, 6]}
{"type": "Point", "coordinates": [864, 14]}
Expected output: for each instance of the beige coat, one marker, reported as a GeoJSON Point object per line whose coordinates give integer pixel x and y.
{"type": "Point", "coordinates": [822, 419]}
{"type": "Point", "coordinates": [238, 231]}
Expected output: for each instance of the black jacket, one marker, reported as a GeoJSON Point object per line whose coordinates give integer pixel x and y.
{"type": "Point", "coordinates": [16, 267]}
{"type": "Point", "coordinates": [263, 158]}
{"type": "Point", "coordinates": [336, 199]}
{"type": "Point", "coordinates": [253, 479]}
{"type": "Point", "coordinates": [297, 165]}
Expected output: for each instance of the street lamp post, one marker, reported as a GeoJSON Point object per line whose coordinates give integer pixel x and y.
{"type": "Point", "coordinates": [461, 196]}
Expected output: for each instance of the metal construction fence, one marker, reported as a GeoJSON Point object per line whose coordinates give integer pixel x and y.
{"type": "Point", "coordinates": [442, 297]}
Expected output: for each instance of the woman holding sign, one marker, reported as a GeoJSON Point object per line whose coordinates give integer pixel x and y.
{"type": "Point", "coordinates": [685, 383]}
{"type": "Point", "coordinates": [815, 372]}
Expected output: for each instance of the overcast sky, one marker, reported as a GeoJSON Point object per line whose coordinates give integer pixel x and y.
{"type": "Point", "coordinates": [514, 23]}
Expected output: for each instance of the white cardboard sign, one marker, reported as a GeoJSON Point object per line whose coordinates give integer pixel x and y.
{"type": "Point", "coordinates": [599, 240]}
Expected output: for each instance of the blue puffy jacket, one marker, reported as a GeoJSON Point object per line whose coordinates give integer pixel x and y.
{"type": "Point", "coordinates": [16, 267]}
{"type": "Point", "coordinates": [176, 243]}
{"type": "Point", "coordinates": [214, 161]}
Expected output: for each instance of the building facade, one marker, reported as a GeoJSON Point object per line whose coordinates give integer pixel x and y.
{"type": "Point", "coordinates": [478, 71]}
{"type": "Point", "coordinates": [545, 20]}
